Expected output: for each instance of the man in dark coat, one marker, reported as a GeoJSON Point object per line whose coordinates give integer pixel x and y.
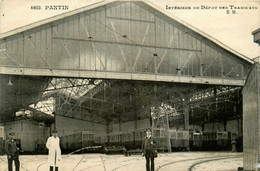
{"type": "Point", "coordinates": [148, 149]}
{"type": "Point", "coordinates": [12, 152]}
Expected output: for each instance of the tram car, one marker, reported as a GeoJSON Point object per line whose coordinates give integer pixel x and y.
{"type": "Point", "coordinates": [2, 141]}
{"type": "Point", "coordinates": [139, 136]}
{"type": "Point", "coordinates": [131, 139]}
{"type": "Point", "coordinates": [101, 139]}
{"type": "Point", "coordinates": [76, 141]}
{"type": "Point", "coordinates": [126, 139]}
{"type": "Point", "coordinates": [161, 139]}
{"type": "Point", "coordinates": [113, 139]}
{"type": "Point", "coordinates": [215, 140]}
{"type": "Point", "coordinates": [179, 140]}
{"type": "Point", "coordinates": [2, 146]}
{"type": "Point", "coordinates": [195, 140]}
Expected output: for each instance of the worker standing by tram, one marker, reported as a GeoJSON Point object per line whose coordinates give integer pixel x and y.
{"type": "Point", "coordinates": [53, 145]}
{"type": "Point", "coordinates": [149, 150]}
{"type": "Point", "coordinates": [12, 151]}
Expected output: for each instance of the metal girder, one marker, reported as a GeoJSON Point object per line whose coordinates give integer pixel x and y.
{"type": "Point", "coordinates": [90, 118]}
{"type": "Point", "coordinates": [94, 91]}
{"type": "Point", "coordinates": [129, 19]}
{"type": "Point", "coordinates": [206, 94]}
{"type": "Point", "coordinates": [125, 43]}
{"type": "Point", "coordinates": [79, 102]}
{"type": "Point", "coordinates": [161, 121]}
{"type": "Point", "coordinates": [120, 75]}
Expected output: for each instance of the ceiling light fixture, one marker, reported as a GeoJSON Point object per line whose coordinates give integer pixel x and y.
{"type": "Point", "coordinates": [10, 81]}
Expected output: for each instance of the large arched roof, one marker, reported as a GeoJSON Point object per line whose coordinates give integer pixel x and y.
{"type": "Point", "coordinates": [121, 40]}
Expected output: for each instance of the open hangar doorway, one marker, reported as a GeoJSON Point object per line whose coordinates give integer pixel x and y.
{"type": "Point", "coordinates": [117, 112]}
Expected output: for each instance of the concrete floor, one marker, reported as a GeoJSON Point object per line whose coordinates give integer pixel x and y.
{"type": "Point", "coordinates": [177, 161]}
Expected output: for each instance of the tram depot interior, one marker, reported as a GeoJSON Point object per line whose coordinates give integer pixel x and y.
{"type": "Point", "coordinates": [101, 77]}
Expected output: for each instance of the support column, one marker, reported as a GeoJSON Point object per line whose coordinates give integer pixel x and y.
{"type": "Point", "coordinates": [54, 113]}
{"type": "Point", "coordinates": [108, 131]}
{"type": "Point", "coordinates": [168, 134]}
{"type": "Point", "coordinates": [186, 117]}
{"type": "Point", "coordinates": [153, 126]}
{"type": "Point", "coordinates": [186, 123]}
{"type": "Point", "coordinates": [56, 108]}
{"type": "Point", "coordinates": [119, 123]}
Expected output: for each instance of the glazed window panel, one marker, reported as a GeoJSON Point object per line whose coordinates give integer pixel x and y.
{"type": "Point", "coordinates": [49, 41]}
{"type": "Point", "coordinates": [76, 30]}
{"type": "Point", "coordinates": [136, 33]}
{"type": "Point", "coordinates": [5, 60]}
{"type": "Point", "coordinates": [161, 61]}
{"type": "Point", "coordinates": [14, 52]}
{"type": "Point", "coordinates": [145, 62]}
{"type": "Point", "coordinates": [159, 36]}
{"type": "Point", "coordinates": [43, 44]}
{"type": "Point", "coordinates": [60, 60]}
{"type": "Point", "coordinates": [97, 26]}
{"type": "Point", "coordinates": [231, 68]}
{"type": "Point", "coordinates": [28, 52]}
{"type": "Point", "coordinates": [116, 58]}
{"type": "Point", "coordinates": [2, 54]}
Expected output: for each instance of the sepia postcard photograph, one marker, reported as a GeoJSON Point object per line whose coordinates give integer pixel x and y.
{"type": "Point", "coordinates": [129, 85]}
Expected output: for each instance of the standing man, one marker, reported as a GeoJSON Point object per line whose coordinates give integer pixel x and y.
{"type": "Point", "coordinates": [148, 149]}
{"type": "Point", "coordinates": [12, 153]}
{"type": "Point", "coordinates": [53, 145]}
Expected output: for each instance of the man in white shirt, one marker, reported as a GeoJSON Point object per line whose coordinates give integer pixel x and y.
{"type": "Point", "coordinates": [53, 145]}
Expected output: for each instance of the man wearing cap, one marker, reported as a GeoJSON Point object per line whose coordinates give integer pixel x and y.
{"type": "Point", "coordinates": [148, 149]}
{"type": "Point", "coordinates": [12, 153]}
{"type": "Point", "coordinates": [53, 145]}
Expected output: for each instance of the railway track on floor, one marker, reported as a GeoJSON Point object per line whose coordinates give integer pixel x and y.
{"type": "Point", "coordinates": [210, 160]}
{"type": "Point", "coordinates": [134, 161]}
{"type": "Point", "coordinates": [191, 165]}
{"type": "Point", "coordinates": [204, 160]}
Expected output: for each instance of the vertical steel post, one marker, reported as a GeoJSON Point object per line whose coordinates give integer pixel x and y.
{"type": "Point", "coordinates": [258, 111]}
{"type": "Point", "coordinates": [152, 116]}
{"type": "Point", "coordinates": [54, 120]}
{"type": "Point", "coordinates": [186, 122]}
{"type": "Point", "coordinates": [168, 133]}
{"type": "Point", "coordinates": [186, 117]}
{"type": "Point", "coordinates": [55, 110]}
